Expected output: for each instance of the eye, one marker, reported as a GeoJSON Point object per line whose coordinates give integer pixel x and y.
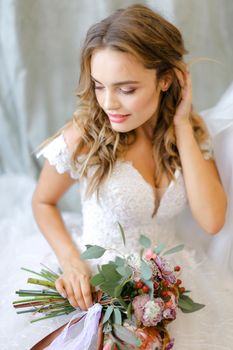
{"type": "Point", "coordinates": [98, 87]}
{"type": "Point", "coordinates": [127, 92]}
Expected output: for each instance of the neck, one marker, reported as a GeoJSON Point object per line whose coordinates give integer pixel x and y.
{"type": "Point", "coordinates": [146, 130]}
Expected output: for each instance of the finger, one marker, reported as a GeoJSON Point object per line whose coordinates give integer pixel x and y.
{"type": "Point", "coordinates": [180, 77]}
{"type": "Point", "coordinates": [79, 296]}
{"type": "Point", "coordinates": [86, 291]}
{"type": "Point", "coordinates": [185, 83]}
{"type": "Point", "coordinates": [189, 85]}
{"type": "Point", "coordinates": [60, 287]}
{"type": "Point", "coordinates": [70, 295]}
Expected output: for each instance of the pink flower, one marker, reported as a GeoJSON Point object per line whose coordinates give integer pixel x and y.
{"type": "Point", "coordinates": [148, 312]}
{"type": "Point", "coordinates": [165, 269]}
{"type": "Point", "coordinates": [149, 254]}
{"type": "Point", "coordinates": [138, 304]}
{"type": "Point", "coordinates": [153, 312]}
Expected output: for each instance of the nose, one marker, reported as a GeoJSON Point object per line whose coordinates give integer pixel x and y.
{"type": "Point", "coordinates": [110, 101]}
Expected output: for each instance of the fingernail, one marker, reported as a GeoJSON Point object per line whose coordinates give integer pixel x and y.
{"type": "Point", "coordinates": [64, 295]}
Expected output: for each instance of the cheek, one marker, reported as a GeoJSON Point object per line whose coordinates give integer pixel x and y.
{"type": "Point", "coordinates": [147, 103]}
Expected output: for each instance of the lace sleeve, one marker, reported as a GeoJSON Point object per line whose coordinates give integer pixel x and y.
{"type": "Point", "coordinates": [59, 155]}
{"type": "Point", "coordinates": [207, 149]}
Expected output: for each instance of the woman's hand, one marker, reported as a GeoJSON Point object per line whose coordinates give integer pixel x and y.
{"type": "Point", "coordinates": [183, 110]}
{"type": "Point", "coordinates": [74, 284]}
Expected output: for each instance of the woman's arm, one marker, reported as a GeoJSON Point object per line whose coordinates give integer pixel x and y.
{"type": "Point", "coordinates": [50, 188]}
{"type": "Point", "coordinates": [74, 282]}
{"type": "Point", "coordinates": [205, 192]}
{"type": "Point", "coordinates": [206, 196]}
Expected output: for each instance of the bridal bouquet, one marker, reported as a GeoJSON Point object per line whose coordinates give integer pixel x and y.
{"type": "Point", "coordinates": [136, 296]}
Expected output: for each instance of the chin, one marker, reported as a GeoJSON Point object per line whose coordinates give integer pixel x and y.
{"type": "Point", "coordinates": [121, 128]}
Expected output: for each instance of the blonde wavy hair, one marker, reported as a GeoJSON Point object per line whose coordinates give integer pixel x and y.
{"type": "Point", "coordinates": [158, 45]}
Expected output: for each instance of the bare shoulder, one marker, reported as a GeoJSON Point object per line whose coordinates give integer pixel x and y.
{"type": "Point", "coordinates": [72, 135]}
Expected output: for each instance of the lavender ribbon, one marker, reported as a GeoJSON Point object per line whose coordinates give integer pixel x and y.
{"type": "Point", "coordinates": [80, 335]}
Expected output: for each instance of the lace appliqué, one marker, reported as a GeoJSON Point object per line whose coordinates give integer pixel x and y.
{"type": "Point", "coordinates": [58, 155]}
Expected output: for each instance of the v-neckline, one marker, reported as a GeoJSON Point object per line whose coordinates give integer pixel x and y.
{"type": "Point", "coordinates": [153, 189]}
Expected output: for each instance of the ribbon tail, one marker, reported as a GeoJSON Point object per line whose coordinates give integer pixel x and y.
{"type": "Point", "coordinates": [48, 339]}
{"type": "Point", "coordinates": [84, 331]}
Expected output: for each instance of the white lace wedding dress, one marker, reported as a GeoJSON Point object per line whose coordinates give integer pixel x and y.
{"type": "Point", "coordinates": [126, 198]}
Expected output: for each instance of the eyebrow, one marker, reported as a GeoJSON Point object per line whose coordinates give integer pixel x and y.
{"type": "Point", "coordinates": [119, 82]}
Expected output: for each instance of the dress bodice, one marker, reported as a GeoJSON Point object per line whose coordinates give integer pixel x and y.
{"type": "Point", "coordinates": [126, 198]}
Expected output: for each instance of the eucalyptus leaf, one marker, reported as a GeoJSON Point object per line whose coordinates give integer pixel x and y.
{"type": "Point", "coordinates": [126, 335]}
{"type": "Point", "coordinates": [110, 273]}
{"type": "Point", "coordinates": [97, 279]}
{"type": "Point", "coordinates": [119, 261]}
{"type": "Point", "coordinates": [117, 316]}
{"type": "Point", "coordinates": [151, 286]}
{"type": "Point", "coordinates": [146, 272]}
{"type": "Point", "coordinates": [124, 271]}
{"type": "Point", "coordinates": [109, 288]}
{"type": "Point", "coordinates": [107, 327]}
{"type": "Point", "coordinates": [88, 246]}
{"type": "Point", "coordinates": [122, 302]}
{"type": "Point", "coordinates": [141, 252]}
{"type": "Point", "coordinates": [122, 232]}
{"type": "Point", "coordinates": [129, 311]}
{"type": "Point", "coordinates": [174, 250]}
{"type": "Point", "coordinates": [118, 290]}
{"type": "Point", "coordinates": [187, 305]}
{"type": "Point", "coordinates": [145, 241]}
{"type": "Point", "coordinates": [108, 313]}
{"type": "Point", "coordinates": [94, 252]}
{"type": "Point", "coordinates": [159, 248]}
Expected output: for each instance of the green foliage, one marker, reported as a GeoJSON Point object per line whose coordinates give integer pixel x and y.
{"type": "Point", "coordinates": [146, 272]}
{"type": "Point", "coordinates": [107, 327]}
{"type": "Point", "coordinates": [174, 250]}
{"type": "Point", "coordinates": [122, 232]}
{"type": "Point", "coordinates": [129, 311]}
{"type": "Point", "coordinates": [97, 279]}
{"type": "Point", "coordinates": [93, 252]}
{"type": "Point", "coordinates": [117, 319]}
{"type": "Point", "coordinates": [124, 271]}
{"type": "Point", "coordinates": [107, 279]}
{"type": "Point", "coordinates": [187, 305]}
{"type": "Point", "coordinates": [108, 313]}
{"type": "Point", "coordinates": [159, 248]}
{"type": "Point", "coordinates": [126, 335]}
{"type": "Point", "coordinates": [145, 241]}
{"type": "Point", "coordinates": [119, 261]}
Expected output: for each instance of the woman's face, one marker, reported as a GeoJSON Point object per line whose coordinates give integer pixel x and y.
{"type": "Point", "coordinates": [126, 91]}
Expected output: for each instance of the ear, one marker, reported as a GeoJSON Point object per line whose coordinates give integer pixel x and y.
{"type": "Point", "coordinates": [166, 81]}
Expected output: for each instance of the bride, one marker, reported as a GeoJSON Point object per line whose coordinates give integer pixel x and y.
{"type": "Point", "coordinates": [141, 155]}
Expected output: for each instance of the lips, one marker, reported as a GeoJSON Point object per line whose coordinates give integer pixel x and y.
{"type": "Point", "coordinates": [118, 118]}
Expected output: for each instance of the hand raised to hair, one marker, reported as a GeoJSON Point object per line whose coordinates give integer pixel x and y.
{"type": "Point", "coordinates": [183, 110]}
